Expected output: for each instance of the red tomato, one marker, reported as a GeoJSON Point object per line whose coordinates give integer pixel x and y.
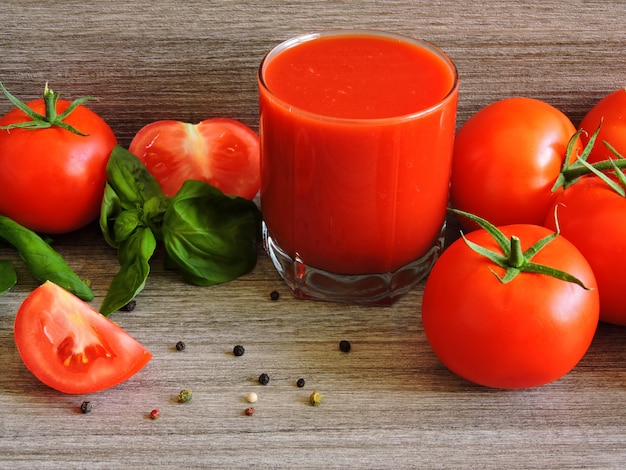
{"type": "Point", "coordinates": [592, 216]}
{"type": "Point", "coordinates": [525, 333]}
{"type": "Point", "coordinates": [223, 152]}
{"type": "Point", "coordinates": [611, 111]}
{"type": "Point", "coordinates": [71, 347]}
{"type": "Point", "coordinates": [506, 159]}
{"type": "Point", "coordinates": [52, 180]}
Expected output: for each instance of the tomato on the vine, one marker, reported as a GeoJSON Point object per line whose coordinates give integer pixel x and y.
{"type": "Point", "coordinates": [52, 178]}
{"type": "Point", "coordinates": [220, 151]}
{"type": "Point", "coordinates": [506, 160]}
{"type": "Point", "coordinates": [610, 111]}
{"type": "Point", "coordinates": [592, 216]}
{"type": "Point", "coordinates": [526, 332]}
{"type": "Point", "coordinates": [71, 347]}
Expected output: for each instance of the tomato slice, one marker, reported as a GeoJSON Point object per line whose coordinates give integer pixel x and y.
{"type": "Point", "coordinates": [223, 152]}
{"type": "Point", "coordinates": [70, 346]}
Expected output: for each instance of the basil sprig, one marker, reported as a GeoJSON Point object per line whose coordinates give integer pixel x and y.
{"type": "Point", "coordinates": [42, 261]}
{"type": "Point", "coordinates": [208, 236]}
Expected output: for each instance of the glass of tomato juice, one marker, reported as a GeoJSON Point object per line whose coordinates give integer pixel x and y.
{"type": "Point", "coordinates": [357, 131]}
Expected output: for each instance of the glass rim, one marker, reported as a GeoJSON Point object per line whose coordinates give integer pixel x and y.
{"type": "Point", "coordinates": [296, 40]}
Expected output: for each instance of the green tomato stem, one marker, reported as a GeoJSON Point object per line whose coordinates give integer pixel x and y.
{"type": "Point", "coordinates": [512, 259]}
{"type": "Point", "coordinates": [571, 172]}
{"type": "Point", "coordinates": [51, 117]}
{"type": "Point", "coordinates": [516, 258]}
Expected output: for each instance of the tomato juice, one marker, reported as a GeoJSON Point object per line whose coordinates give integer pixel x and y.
{"type": "Point", "coordinates": [356, 142]}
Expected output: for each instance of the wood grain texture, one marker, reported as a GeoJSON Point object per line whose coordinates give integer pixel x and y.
{"type": "Point", "coordinates": [389, 403]}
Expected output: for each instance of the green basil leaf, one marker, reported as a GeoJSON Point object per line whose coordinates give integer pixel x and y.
{"type": "Point", "coordinates": [130, 179]}
{"type": "Point", "coordinates": [8, 278]}
{"type": "Point", "coordinates": [111, 208]}
{"type": "Point", "coordinates": [125, 224]}
{"type": "Point", "coordinates": [43, 262]}
{"type": "Point", "coordinates": [211, 237]}
{"type": "Point", "coordinates": [134, 256]}
{"type": "Point", "coordinates": [153, 212]}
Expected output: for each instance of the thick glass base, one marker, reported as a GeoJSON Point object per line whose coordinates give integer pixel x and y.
{"type": "Point", "coordinates": [308, 282]}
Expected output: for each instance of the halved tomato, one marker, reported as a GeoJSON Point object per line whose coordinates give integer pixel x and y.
{"type": "Point", "coordinates": [70, 346]}
{"type": "Point", "coordinates": [223, 152]}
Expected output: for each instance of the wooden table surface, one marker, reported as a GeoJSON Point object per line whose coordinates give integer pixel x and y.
{"type": "Point", "coordinates": [389, 403]}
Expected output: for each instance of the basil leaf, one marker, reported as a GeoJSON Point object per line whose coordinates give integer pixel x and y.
{"type": "Point", "coordinates": [125, 224]}
{"type": "Point", "coordinates": [111, 208]}
{"type": "Point", "coordinates": [8, 278]}
{"type": "Point", "coordinates": [130, 179]}
{"type": "Point", "coordinates": [211, 237]}
{"type": "Point", "coordinates": [134, 256]}
{"type": "Point", "coordinates": [43, 262]}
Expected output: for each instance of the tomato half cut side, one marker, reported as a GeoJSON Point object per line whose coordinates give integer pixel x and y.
{"type": "Point", "coordinates": [222, 152]}
{"type": "Point", "coordinates": [70, 346]}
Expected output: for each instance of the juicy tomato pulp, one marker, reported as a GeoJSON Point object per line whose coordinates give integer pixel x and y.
{"type": "Point", "coordinates": [71, 347]}
{"type": "Point", "coordinates": [223, 152]}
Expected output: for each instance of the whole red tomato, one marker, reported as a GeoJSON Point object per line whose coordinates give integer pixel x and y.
{"type": "Point", "coordinates": [506, 159]}
{"type": "Point", "coordinates": [527, 332]}
{"type": "Point", "coordinates": [223, 152]}
{"type": "Point", "coordinates": [611, 112]}
{"type": "Point", "coordinates": [51, 179]}
{"type": "Point", "coordinates": [592, 216]}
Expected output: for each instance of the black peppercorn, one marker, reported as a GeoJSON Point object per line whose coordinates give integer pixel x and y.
{"type": "Point", "coordinates": [85, 407]}
{"type": "Point", "coordinates": [130, 306]}
{"type": "Point", "coordinates": [180, 345]}
{"type": "Point", "coordinates": [274, 295]}
{"type": "Point", "coordinates": [344, 346]}
{"type": "Point", "coordinates": [300, 383]}
{"type": "Point", "coordinates": [264, 379]}
{"type": "Point", "coordinates": [239, 350]}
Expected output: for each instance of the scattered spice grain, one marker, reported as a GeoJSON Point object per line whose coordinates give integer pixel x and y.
{"type": "Point", "coordinates": [300, 383]}
{"type": "Point", "coordinates": [184, 396]}
{"type": "Point", "coordinates": [250, 410]}
{"type": "Point", "coordinates": [345, 346]}
{"type": "Point", "coordinates": [315, 398]}
{"type": "Point", "coordinates": [155, 414]}
{"type": "Point", "coordinates": [252, 397]}
{"type": "Point", "coordinates": [264, 379]}
{"type": "Point", "coordinates": [129, 307]}
{"type": "Point", "coordinates": [180, 345]}
{"type": "Point", "coordinates": [239, 350]}
{"type": "Point", "coordinates": [86, 407]}
{"type": "Point", "coordinates": [274, 295]}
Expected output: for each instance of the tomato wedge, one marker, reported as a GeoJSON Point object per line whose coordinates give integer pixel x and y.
{"type": "Point", "coordinates": [223, 152]}
{"type": "Point", "coordinates": [70, 346]}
